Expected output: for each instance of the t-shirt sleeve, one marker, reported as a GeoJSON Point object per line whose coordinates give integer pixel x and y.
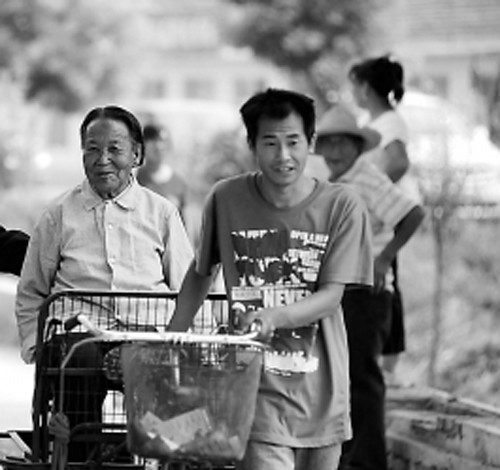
{"type": "Point", "coordinates": [349, 256]}
{"type": "Point", "coordinates": [207, 252]}
{"type": "Point", "coordinates": [391, 127]}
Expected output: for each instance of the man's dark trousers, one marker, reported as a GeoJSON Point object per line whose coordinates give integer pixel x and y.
{"type": "Point", "coordinates": [367, 316]}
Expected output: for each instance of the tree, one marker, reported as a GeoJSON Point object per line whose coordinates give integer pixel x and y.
{"type": "Point", "coordinates": [488, 86]}
{"type": "Point", "coordinates": [64, 53]}
{"type": "Point", "coordinates": [442, 192]}
{"type": "Point", "coordinates": [313, 39]}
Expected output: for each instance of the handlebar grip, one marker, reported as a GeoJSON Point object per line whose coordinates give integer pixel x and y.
{"type": "Point", "coordinates": [255, 326]}
{"type": "Point", "coordinates": [71, 323]}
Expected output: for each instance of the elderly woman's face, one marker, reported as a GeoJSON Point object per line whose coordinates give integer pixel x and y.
{"type": "Point", "coordinates": [109, 155]}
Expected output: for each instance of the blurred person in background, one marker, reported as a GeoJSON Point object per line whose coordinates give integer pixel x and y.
{"type": "Point", "coordinates": [13, 245]}
{"type": "Point", "coordinates": [394, 218]}
{"type": "Point", "coordinates": [156, 173]}
{"type": "Point", "coordinates": [378, 87]}
{"type": "Point", "coordinates": [107, 233]}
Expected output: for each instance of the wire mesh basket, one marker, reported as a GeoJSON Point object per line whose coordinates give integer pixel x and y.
{"type": "Point", "coordinates": [190, 401]}
{"type": "Point", "coordinates": [77, 385]}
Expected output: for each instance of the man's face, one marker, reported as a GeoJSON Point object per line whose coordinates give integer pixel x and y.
{"type": "Point", "coordinates": [109, 156]}
{"type": "Point", "coordinates": [339, 151]}
{"type": "Point", "coordinates": [281, 149]}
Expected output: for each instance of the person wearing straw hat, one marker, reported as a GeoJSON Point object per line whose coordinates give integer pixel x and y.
{"type": "Point", "coordinates": [394, 219]}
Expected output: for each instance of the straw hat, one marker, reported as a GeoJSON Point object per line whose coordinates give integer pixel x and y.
{"type": "Point", "coordinates": [339, 120]}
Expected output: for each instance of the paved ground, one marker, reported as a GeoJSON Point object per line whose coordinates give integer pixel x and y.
{"type": "Point", "coordinates": [16, 390]}
{"type": "Point", "coordinates": [16, 378]}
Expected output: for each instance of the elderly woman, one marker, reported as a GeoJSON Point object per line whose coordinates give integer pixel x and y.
{"type": "Point", "coordinates": [107, 233]}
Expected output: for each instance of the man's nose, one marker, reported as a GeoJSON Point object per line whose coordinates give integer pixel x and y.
{"type": "Point", "coordinates": [283, 152]}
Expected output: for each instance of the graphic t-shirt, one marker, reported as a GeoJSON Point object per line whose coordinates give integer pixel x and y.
{"type": "Point", "coordinates": [278, 267]}
{"type": "Point", "coordinates": [273, 257]}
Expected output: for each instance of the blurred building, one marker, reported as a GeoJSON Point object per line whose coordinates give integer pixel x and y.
{"type": "Point", "coordinates": [451, 48]}
{"type": "Point", "coordinates": [189, 56]}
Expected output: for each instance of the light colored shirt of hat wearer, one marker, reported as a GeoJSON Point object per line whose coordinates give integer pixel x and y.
{"type": "Point", "coordinates": [387, 204]}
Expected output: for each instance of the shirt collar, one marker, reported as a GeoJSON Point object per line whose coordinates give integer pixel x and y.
{"type": "Point", "coordinates": [127, 199]}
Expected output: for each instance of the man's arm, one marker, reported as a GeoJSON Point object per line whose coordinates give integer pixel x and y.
{"type": "Point", "coordinates": [178, 252]}
{"type": "Point", "coordinates": [13, 244]}
{"type": "Point", "coordinates": [320, 304]}
{"type": "Point", "coordinates": [402, 233]}
{"type": "Point", "coordinates": [193, 291]}
{"type": "Point", "coordinates": [395, 160]}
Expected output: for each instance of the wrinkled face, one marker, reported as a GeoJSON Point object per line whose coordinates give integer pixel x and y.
{"type": "Point", "coordinates": [339, 151]}
{"type": "Point", "coordinates": [281, 149]}
{"type": "Point", "coordinates": [109, 155]}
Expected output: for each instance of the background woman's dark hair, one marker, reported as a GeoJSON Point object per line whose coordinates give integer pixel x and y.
{"type": "Point", "coordinates": [118, 114]}
{"type": "Point", "coordinates": [383, 74]}
{"type": "Point", "coordinates": [277, 104]}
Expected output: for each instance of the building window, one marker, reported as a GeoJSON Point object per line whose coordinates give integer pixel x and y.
{"type": "Point", "coordinates": [199, 88]}
{"type": "Point", "coordinates": [433, 84]}
{"type": "Point", "coordinates": [154, 89]}
{"type": "Point", "coordinates": [244, 87]}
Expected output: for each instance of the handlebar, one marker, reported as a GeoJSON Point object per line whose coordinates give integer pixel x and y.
{"type": "Point", "coordinates": [98, 334]}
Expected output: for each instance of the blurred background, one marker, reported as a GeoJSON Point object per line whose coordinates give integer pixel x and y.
{"type": "Point", "coordinates": [191, 64]}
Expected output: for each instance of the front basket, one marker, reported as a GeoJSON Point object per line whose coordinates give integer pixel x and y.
{"type": "Point", "coordinates": [190, 401]}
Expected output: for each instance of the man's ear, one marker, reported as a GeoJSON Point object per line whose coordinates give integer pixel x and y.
{"type": "Point", "coordinates": [251, 146]}
{"type": "Point", "coordinates": [312, 143]}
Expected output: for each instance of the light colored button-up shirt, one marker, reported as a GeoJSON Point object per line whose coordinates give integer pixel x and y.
{"type": "Point", "coordinates": [135, 241]}
{"type": "Point", "coordinates": [387, 204]}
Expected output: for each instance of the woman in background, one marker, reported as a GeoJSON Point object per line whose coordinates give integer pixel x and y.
{"type": "Point", "coordinates": [378, 87]}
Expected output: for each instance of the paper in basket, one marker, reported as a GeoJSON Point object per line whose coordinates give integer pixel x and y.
{"type": "Point", "coordinates": [180, 429]}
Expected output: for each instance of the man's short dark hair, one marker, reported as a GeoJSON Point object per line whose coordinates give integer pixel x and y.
{"type": "Point", "coordinates": [277, 104]}
{"type": "Point", "coordinates": [117, 114]}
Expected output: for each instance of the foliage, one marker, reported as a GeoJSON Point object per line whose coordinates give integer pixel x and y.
{"type": "Point", "coordinates": [312, 38]}
{"type": "Point", "coordinates": [227, 155]}
{"type": "Point", "coordinates": [488, 87]}
{"type": "Point", "coordinates": [468, 364]}
{"type": "Point", "coordinates": [19, 28]}
{"type": "Point", "coordinates": [64, 52]}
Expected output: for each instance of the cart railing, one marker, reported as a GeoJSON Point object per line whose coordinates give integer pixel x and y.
{"type": "Point", "coordinates": [125, 312]}
{"type": "Point", "coordinates": [189, 397]}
